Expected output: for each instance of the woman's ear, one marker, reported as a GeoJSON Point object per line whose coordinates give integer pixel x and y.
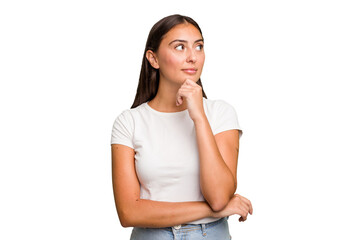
{"type": "Point", "coordinates": [151, 57]}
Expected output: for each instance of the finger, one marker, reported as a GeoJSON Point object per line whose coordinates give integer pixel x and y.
{"type": "Point", "coordinates": [244, 216]}
{"type": "Point", "coordinates": [186, 87]}
{"type": "Point", "coordinates": [248, 203]}
{"type": "Point", "coordinates": [185, 92]}
{"type": "Point", "coordinates": [188, 82]}
{"type": "Point", "coordinates": [179, 101]}
{"type": "Point", "coordinates": [244, 211]}
{"type": "Point", "coordinates": [182, 91]}
{"type": "Point", "coordinates": [250, 206]}
{"type": "Point", "coordinates": [191, 83]}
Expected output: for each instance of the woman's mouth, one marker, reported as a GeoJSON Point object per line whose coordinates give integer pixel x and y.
{"type": "Point", "coordinates": [190, 71]}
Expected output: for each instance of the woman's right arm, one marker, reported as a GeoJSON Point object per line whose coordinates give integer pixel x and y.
{"type": "Point", "coordinates": [136, 212]}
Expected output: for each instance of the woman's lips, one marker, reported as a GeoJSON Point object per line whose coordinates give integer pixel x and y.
{"type": "Point", "coordinates": [190, 71]}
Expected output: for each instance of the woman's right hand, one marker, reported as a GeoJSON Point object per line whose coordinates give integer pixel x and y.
{"type": "Point", "coordinates": [237, 205]}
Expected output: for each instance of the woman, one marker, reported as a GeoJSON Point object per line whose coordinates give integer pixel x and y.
{"type": "Point", "coordinates": [174, 153]}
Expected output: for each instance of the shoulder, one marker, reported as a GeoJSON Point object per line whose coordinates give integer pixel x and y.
{"type": "Point", "coordinates": [131, 113]}
{"type": "Point", "coordinates": [218, 105]}
{"type": "Point", "coordinates": [124, 126]}
{"type": "Point", "coordinates": [222, 115]}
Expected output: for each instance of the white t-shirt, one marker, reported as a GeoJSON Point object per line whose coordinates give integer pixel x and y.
{"type": "Point", "coordinates": [166, 154]}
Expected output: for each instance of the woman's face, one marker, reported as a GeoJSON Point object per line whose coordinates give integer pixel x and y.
{"type": "Point", "coordinates": [180, 54]}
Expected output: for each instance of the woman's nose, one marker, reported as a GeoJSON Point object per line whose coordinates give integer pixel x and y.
{"type": "Point", "coordinates": [191, 56]}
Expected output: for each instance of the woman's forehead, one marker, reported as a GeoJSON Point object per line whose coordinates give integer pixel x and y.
{"type": "Point", "coordinates": [184, 31]}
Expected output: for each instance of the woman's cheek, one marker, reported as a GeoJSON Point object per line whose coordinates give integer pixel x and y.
{"type": "Point", "coordinates": [173, 60]}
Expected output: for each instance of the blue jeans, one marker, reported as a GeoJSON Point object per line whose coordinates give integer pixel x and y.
{"type": "Point", "coordinates": [218, 230]}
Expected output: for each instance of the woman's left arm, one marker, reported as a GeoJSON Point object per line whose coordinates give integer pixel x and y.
{"type": "Point", "coordinates": [218, 163]}
{"type": "Point", "coordinates": [218, 154]}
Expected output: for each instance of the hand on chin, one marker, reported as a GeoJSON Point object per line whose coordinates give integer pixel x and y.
{"type": "Point", "coordinates": [192, 93]}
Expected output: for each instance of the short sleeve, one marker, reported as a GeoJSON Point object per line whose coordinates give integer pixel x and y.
{"type": "Point", "coordinates": [225, 117]}
{"type": "Point", "coordinates": [122, 131]}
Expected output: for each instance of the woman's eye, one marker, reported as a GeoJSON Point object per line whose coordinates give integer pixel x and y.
{"type": "Point", "coordinates": [179, 47]}
{"type": "Point", "coordinates": [199, 47]}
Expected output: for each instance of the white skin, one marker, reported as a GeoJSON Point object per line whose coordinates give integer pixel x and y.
{"type": "Point", "coordinates": [180, 59]}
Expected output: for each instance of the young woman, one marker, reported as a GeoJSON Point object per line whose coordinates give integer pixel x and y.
{"type": "Point", "coordinates": [174, 153]}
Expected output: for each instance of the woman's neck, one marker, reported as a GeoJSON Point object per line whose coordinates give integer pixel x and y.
{"type": "Point", "coordinates": [165, 99]}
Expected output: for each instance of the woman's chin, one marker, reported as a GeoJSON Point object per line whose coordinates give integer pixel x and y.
{"type": "Point", "coordinates": [192, 78]}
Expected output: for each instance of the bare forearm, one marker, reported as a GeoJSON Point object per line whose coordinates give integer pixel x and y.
{"type": "Point", "coordinates": [155, 214]}
{"type": "Point", "coordinates": [216, 180]}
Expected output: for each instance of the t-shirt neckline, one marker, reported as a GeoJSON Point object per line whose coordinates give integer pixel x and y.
{"type": "Point", "coordinates": [164, 113]}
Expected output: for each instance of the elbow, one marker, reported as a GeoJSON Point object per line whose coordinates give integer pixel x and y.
{"type": "Point", "coordinates": [218, 205]}
{"type": "Point", "coordinates": [124, 223]}
{"type": "Point", "coordinates": [129, 215]}
{"type": "Point", "coordinates": [125, 219]}
{"type": "Point", "coordinates": [219, 201]}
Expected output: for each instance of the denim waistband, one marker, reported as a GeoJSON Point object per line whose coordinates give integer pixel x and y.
{"type": "Point", "coordinates": [200, 225]}
{"type": "Point", "coordinates": [193, 227]}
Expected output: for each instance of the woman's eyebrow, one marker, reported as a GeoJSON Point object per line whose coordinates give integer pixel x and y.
{"type": "Point", "coordinates": [184, 41]}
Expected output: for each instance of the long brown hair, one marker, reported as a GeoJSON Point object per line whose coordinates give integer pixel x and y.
{"type": "Point", "coordinates": [149, 76]}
